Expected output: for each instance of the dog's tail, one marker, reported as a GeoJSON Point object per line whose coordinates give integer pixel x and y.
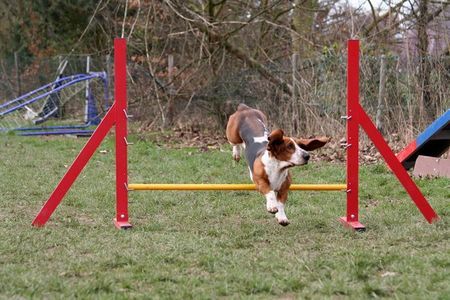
{"type": "Point", "coordinates": [242, 106]}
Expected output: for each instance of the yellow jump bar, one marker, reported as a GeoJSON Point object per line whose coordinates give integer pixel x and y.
{"type": "Point", "coordinates": [227, 187]}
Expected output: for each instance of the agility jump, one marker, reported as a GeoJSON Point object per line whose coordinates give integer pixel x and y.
{"type": "Point", "coordinates": [117, 116]}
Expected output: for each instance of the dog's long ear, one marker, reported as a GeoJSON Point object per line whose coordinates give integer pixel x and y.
{"type": "Point", "coordinates": [275, 138]}
{"type": "Point", "coordinates": [312, 144]}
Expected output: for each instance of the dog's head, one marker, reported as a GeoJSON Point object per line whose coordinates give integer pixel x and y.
{"type": "Point", "coordinates": [293, 151]}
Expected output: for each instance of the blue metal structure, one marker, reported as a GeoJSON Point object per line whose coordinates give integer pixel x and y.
{"type": "Point", "coordinates": [50, 94]}
{"type": "Point", "coordinates": [71, 131]}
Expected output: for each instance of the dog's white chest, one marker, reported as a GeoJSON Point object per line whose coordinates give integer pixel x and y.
{"type": "Point", "coordinates": [274, 170]}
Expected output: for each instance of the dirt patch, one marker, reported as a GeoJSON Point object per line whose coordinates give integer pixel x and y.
{"type": "Point", "coordinates": [184, 138]}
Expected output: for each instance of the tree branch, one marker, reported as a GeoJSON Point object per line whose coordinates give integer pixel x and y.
{"type": "Point", "coordinates": [233, 50]}
{"type": "Point", "coordinates": [382, 17]}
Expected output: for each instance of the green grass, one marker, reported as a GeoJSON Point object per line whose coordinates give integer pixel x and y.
{"type": "Point", "coordinates": [206, 245]}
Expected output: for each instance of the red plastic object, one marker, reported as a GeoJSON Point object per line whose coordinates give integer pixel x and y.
{"type": "Point", "coordinates": [120, 88]}
{"type": "Point", "coordinates": [352, 215]}
{"type": "Point", "coordinates": [357, 116]}
{"type": "Point", "coordinates": [115, 116]}
{"type": "Point", "coordinates": [405, 153]}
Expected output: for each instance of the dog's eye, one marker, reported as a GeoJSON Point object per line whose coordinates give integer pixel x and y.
{"type": "Point", "coordinates": [291, 146]}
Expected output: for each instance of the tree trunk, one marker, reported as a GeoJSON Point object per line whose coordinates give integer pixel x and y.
{"type": "Point", "coordinates": [425, 105]}
{"type": "Point", "coordinates": [302, 23]}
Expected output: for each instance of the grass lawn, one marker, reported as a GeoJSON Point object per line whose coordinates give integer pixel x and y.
{"type": "Point", "coordinates": [206, 245]}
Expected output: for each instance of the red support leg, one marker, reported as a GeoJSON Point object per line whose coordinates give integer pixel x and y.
{"type": "Point", "coordinates": [395, 165]}
{"type": "Point", "coordinates": [75, 169]}
{"type": "Point", "coordinates": [116, 115]}
{"type": "Point", "coordinates": [120, 84]}
{"type": "Point", "coordinates": [352, 217]}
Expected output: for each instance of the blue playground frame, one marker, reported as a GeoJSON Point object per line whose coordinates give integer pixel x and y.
{"type": "Point", "coordinates": [92, 117]}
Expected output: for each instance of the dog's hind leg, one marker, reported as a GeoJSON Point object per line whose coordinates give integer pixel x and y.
{"type": "Point", "coordinates": [234, 137]}
{"type": "Point", "coordinates": [237, 152]}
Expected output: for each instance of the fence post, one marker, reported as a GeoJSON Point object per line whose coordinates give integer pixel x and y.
{"type": "Point", "coordinates": [381, 94]}
{"type": "Point", "coordinates": [108, 93]}
{"type": "Point", "coordinates": [17, 66]}
{"type": "Point", "coordinates": [86, 100]}
{"type": "Point", "coordinates": [295, 103]}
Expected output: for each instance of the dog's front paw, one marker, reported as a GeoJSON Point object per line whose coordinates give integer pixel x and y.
{"type": "Point", "coordinates": [281, 218]}
{"type": "Point", "coordinates": [283, 222]}
{"type": "Point", "coordinates": [236, 157]}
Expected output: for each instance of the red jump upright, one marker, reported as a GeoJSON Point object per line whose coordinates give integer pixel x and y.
{"type": "Point", "coordinates": [357, 116]}
{"type": "Point", "coordinates": [117, 115]}
{"type": "Point", "coordinates": [120, 90]}
{"type": "Point", "coordinates": [352, 216]}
